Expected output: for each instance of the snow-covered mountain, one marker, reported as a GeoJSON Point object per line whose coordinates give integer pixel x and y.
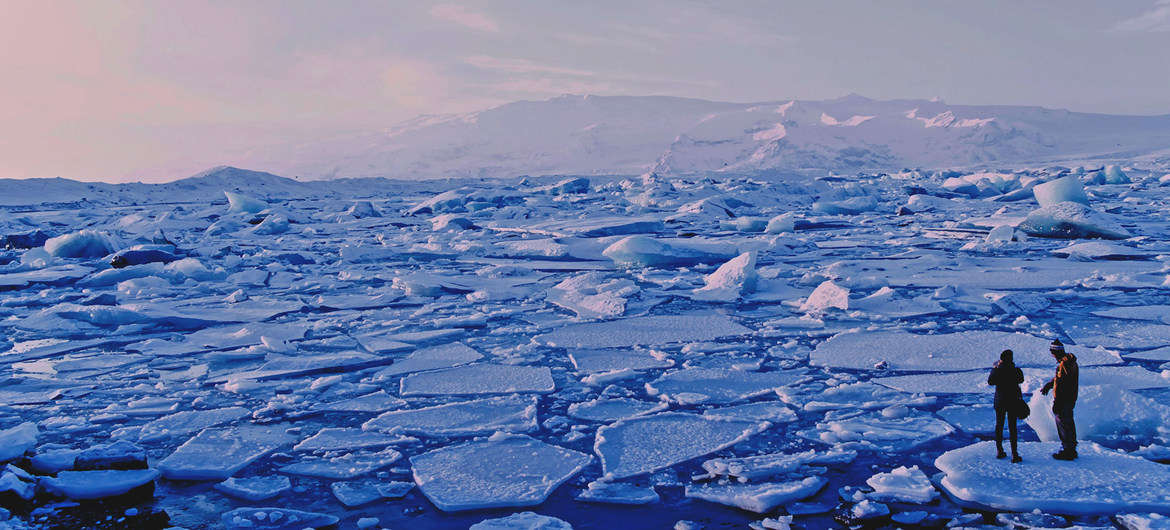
{"type": "Point", "coordinates": [629, 135]}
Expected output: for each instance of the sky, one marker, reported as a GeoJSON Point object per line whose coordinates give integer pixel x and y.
{"type": "Point", "coordinates": [127, 90]}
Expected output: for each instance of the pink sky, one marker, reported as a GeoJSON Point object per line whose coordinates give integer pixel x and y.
{"type": "Point", "coordinates": [160, 89]}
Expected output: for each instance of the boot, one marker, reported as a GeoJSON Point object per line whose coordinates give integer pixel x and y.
{"type": "Point", "coordinates": [1016, 459]}
{"type": "Point", "coordinates": [1000, 454]}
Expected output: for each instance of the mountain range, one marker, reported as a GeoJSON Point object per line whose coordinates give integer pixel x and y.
{"type": "Point", "coordinates": [628, 135]}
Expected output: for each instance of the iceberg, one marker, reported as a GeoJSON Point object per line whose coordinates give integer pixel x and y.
{"type": "Point", "coordinates": [82, 244]}
{"type": "Point", "coordinates": [1064, 189]}
{"type": "Point", "coordinates": [730, 281]}
{"type": "Point", "coordinates": [240, 203]}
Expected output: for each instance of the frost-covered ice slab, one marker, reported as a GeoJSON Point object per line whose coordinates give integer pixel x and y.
{"type": "Point", "coordinates": [498, 472]}
{"type": "Point", "coordinates": [61, 275]}
{"type": "Point", "coordinates": [902, 484]}
{"type": "Point", "coordinates": [1099, 482]}
{"type": "Point", "coordinates": [511, 413]}
{"type": "Point", "coordinates": [768, 411]}
{"type": "Point", "coordinates": [1159, 354]}
{"type": "Point", "coordinates": [273, 518]}
{"type": "Point", "coordinates": [341, 438]}
{"type": "Point", "coordinates": [483, 378]}
{"type": "Point", "coordinates": [1104, 414]}
{"type": "Point", "coordinates": [343, 467]}
{"type": "Point", "coordinates": [432, 358]}
{"type": "Point", "coordinates": [971, 419]}
{"type": "Point", "coordinates": [589, 227]}
{"type": "Point", "coordinates": [1139, 337]}
{"type": "Point", "coordinates": [617, 493]}
{"type": "Point", "coordinates": [44, 348]}
{"type": "Point", "coordinates": [1156, 313]}
{"type": "Point", "coordinates": [255, 488]}
{"type": "Point", "coordinates": [188, 421]}
{"type": "Point", "coordinates": [966, 350]}
{"type": "Point", "coordinates": [1017, 274]}
{"type": "Point", "coordinates": [84, 485]}
{"type": "Point", "coordinates": [975, 382]}
{"type": "Point", "coordinates": [596, 361]}
{"type": "Point", "coordinates": [770, 465]}
{"type": "Point", "coordinates": [759, 497]}
{"type": "Point", "coordinates": [522, 521]}
{"type": "Point", "coordinates": [216, 454]}
{"type": "Point", "coordinates": [718, 385]}
{"type": "Point", "coordinates": [16, 440]}
{"type": "Point", "coordinates": [646, 444]}
{"type": "Point", "coordinates": [854, 396]}
{"type": "Point", "coordinates": [613, 409]}
{"type": "Point", "coordinates": [288, 367]}
{"type": "Point", "coordinates": [356, 493]}
{"type": "Point", "coordinates": [648, 330]}
{"type": "Point", "coordinates": [877, 432]}
{"type": "Point", "coordinates": [378, 401]}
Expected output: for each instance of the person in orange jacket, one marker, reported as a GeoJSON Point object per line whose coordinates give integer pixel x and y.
{"type": "Point", "coordinates": [1064, 398]}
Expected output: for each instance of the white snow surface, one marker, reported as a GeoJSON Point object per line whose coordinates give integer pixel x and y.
{"type": "Point", "coordinates": [1100, 481]}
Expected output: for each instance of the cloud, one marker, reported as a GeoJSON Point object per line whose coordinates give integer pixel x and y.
{"type": "Point", "coordinates": [460, 15]}
{"type": "Point", "coordinates": [1156, 20]}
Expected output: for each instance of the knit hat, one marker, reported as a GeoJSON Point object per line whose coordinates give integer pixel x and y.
{"type": "Point", "coordinates": [1056, 347]}
{"type": "Point", "coordinates": [1006, 356]}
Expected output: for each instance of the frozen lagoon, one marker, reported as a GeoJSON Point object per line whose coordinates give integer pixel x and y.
{"type": "Point", "coordinates": [360, 350]}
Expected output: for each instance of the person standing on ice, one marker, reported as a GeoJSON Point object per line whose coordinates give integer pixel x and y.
{"type": "Point", "coordinates": [1006, 378]}
{"type": "Point", "coordinates": [1064, 397]}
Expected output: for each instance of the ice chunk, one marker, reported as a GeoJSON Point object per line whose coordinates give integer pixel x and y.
{"type": "Point", "coordinates": [522, 521]}
{"type": "Point", "coordinates": [378, 401]}
{"type": "Point", "coordinates": [271, 225]}
{"type": "Point", "coordinates": [966, 350]}
{"type": "Point", "coordinates": [648, 330]}
{"type": "Point", "coordinates": [1099, 250]}
{"type": "Point", "coordinates": [1065, 189]}
{"type": "Point", "coordinates": [394, 489]}
{"type": "Point", "coordinates": [1135, 521]}
{"type": "Point", "coordinates": [718, 385]}
{"type": "Point", "coordinates": [16, 440]}
{"type": "Point", "coordinates": [431, 358]}
{"type": "Point", "coordinates": [343, 467]}
{"type": "Point", "coordinates": [1104, 413]}
{"type": "Point", "coordinates": [851, 206]}
{"type": "Point", "coordinates": [498, 472]}
{"type": "Point", "coordinates": [862, 395]}
{"type": "Point", "coordinates": [255, 488]}
{"type": "Point", "coordinates": [1071, 220]}
{"type": "Point", "coordinates": [355, 493]}
{"type": "Point", "coordinates": [876, 432]}
{"type": "Point", "coordinates": [613, 409]}
{"type": "Point", "coordinates": [1001, 234]}
{"type": "Point", "coordinates": [340, 438]}
{"type": "Point", "coordinates": [616, 493]}
{"type": "Point", "coordinates": [567, 186]}
{"type": "Point", "coordinates": [597, 361]}
{"type": "Point", "coordinates": [1100, 482]}
{"type": "Point", "coordinates": [82, 244]}
{"type": "Point", "coordinates": [730, 281]}
{"type": "Point", "coordinates": [511, 413]}
{"type": "Point", "coordinates": [84, 485]}
{"type": "Point", "coordinates": [642, 251]}
{"type": "Point", "coordinates": [118, 455]}
{"type": "Point", "coordinates": [763, 411]}
{"type": "Point", "coordinates": [759, 497]}
{"type": "Point", "coordinates": [774, 464]}
{"type": "Point", "coordinates": [238, 202]}
{"type": "Point", "coordinates": [781, 224]}
{"type": "Point", "coordinates": [362, 210]}
{"type": "Point", "coordinates": [272, 518]}
{"type": "Point", "coordinates": [187, 422]}
{"type": "Point", "coordinates": [216, 454]}
{"type": "Point", "coordinates": [745, 224]}
{"type": "Point", "coordinates": [826, 295]}
{"type": "Point", "coordinates": [592, 295]}
{"type": "Point", "coordinates": [450, 221]}
{"type": "Point", "coordinates": [902, 484]}
{"type": "Point", "coordinates": [646, 444]}
{"type": "Point", "coordinates": [485, 378]}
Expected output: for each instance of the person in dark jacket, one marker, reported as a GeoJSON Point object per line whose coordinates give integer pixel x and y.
{"type": "Point", "coordinates": [1006, 378]}
{"type": "Point", "coordinates": [1064, 398]}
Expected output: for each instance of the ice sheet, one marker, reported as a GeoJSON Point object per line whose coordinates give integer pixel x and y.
{"type": "Point", "coordinates": [649, 330]}
{"type": "Point", "coordinates": [718, 385]}
{"type": "Point", "coordinates": [482, 378]}
{"type": "Point", "coordinates": [216, 454]}
{"type": "Point", "coordinates": [510, 413]}
{"type": "Point", "coordinates": [646, 444]}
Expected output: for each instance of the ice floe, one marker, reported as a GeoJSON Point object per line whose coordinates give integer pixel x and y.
{"type": "Point", "coordinates": [508, 413]}
{"type": "Point", "coordinates": [716, 385]}
{"type": "Point", "coordinates": [648, 330]}
{"type": "Point", "coordinates": [484, 378]}
{"type": "Point", "coordinates": [498, 472]}
{"type": "Point", "coordinates": [216, 454]}
{"type": "Point", "coordinates": [1100, 481]}
{"type": "Point", "coordinates": [649, 443]}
